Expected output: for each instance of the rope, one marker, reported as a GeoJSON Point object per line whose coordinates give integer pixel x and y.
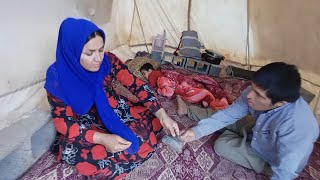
{"type": "Point", "coordinates": [23, 87]}
{"type": "Point", "coordinates": [170, 23]}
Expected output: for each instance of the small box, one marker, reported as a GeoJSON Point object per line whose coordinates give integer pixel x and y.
{"type": "Point", "coordinates": [214, 70]}
{"type": "Point", "coordinates": [191, 64]}
{"type": "Point", "coordinates": [167, 58]}
{"type": "Point", "coordinates": [159, 42]}
{"type": "Point", "coordinates": [178, 61]}
{"type": "Point", "coordinates": [241, 73]}
{"type": "Point", "coordinates": [202, 67]}
{"type": "Point", "coordinates": [156, 56]}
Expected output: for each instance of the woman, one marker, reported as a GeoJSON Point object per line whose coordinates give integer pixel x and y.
{"type": "Point", "coordinates": [100, 131]}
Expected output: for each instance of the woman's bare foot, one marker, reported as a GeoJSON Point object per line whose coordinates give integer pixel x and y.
{"type": "Point", "coordinates": [182, 106]}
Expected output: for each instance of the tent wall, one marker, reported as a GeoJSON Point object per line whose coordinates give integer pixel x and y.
{"type": "Point", "coordinates": [28, 41]}
{"type": "Point", "coordinates": [135, 22]}
{"type": "Point", "coordinates": [248, 33]}
{"type": "Point", "coordinates": [287, 30]}
{"type": "Point", "coordinates": [222, 26]}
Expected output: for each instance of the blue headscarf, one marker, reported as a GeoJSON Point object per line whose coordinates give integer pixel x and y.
{"type": "Point", "coordinates": [70, 82]}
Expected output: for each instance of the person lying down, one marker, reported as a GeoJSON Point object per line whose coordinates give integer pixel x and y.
{"type": "Point", "coordinates": [173, 83]}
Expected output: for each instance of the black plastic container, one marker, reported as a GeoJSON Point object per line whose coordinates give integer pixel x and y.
{"type": "Point", "coordinates": [212, 57]}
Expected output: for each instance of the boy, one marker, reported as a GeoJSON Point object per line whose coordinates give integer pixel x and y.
{"type": "Point", "coordinates": [147, 70]}
{"type": "Point", "coordinates": [284, 130]}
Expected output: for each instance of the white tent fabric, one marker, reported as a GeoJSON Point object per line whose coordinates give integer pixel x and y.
{"type": "Point", "coordinates": [28, 41]}
{"type": "Point", "coordinates": [249, 33]}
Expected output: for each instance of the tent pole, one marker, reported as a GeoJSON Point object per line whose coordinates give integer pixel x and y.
{"type": "Point", "coordinates": [247, 40]}
{"type": "Point", "coordinates": [189, 10]}
{"type": "Point", "coordinates": [134, 10]}
{"type": "Point", "coordinates": [144, 37]}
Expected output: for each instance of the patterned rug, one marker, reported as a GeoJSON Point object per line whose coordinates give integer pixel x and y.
{"type": "Point", "coordinates": [196, 161]}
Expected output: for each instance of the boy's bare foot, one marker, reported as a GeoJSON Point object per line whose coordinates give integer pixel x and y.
{"type": "Point", "coordinates": [182, 106]}
{"type": "Point", "coordinates": [205, 104]}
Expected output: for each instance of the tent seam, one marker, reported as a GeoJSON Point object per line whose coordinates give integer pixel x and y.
{"type": "Point", "coordinates": [23, 87]}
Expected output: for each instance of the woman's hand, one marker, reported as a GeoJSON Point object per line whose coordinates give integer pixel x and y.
{"type": "Point", "coordinates": [188, 136]}
{"type": "Point", "coordinates": [112, 142]}
{"type": "Point", "coordinates": [167, 123]}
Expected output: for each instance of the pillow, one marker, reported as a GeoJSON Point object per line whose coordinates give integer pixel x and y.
{"type": "Point", "coordinates": [123, 52]}
{"type": "Point", "coordinates": [120, 89]}
{"type": "Point", "coordinates": [135, 64]}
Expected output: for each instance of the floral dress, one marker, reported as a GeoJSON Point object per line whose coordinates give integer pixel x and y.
{"type": "Point", "coordinates": [75, 133]}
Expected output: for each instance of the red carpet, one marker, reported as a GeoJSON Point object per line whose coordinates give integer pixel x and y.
{"type": "Point", "coordinates": [197, 161]}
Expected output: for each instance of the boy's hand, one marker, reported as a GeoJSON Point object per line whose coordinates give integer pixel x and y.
{"type": "Point", "coordinates": [188, 136]}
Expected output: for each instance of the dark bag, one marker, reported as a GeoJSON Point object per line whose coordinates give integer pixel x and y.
{"type": "Point", "coordinates": [189, 45]}
{"type": "Point", "coordinates": [212, 57]}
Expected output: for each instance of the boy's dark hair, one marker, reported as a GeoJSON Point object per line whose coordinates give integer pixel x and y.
{"type": "Point", "coordinates": [146, 67]}
{"type": "Point", "coordinates": [281, 81]}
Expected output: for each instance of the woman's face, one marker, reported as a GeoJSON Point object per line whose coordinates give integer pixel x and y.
{"type": "Point", "coordinates": [92, 54]}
